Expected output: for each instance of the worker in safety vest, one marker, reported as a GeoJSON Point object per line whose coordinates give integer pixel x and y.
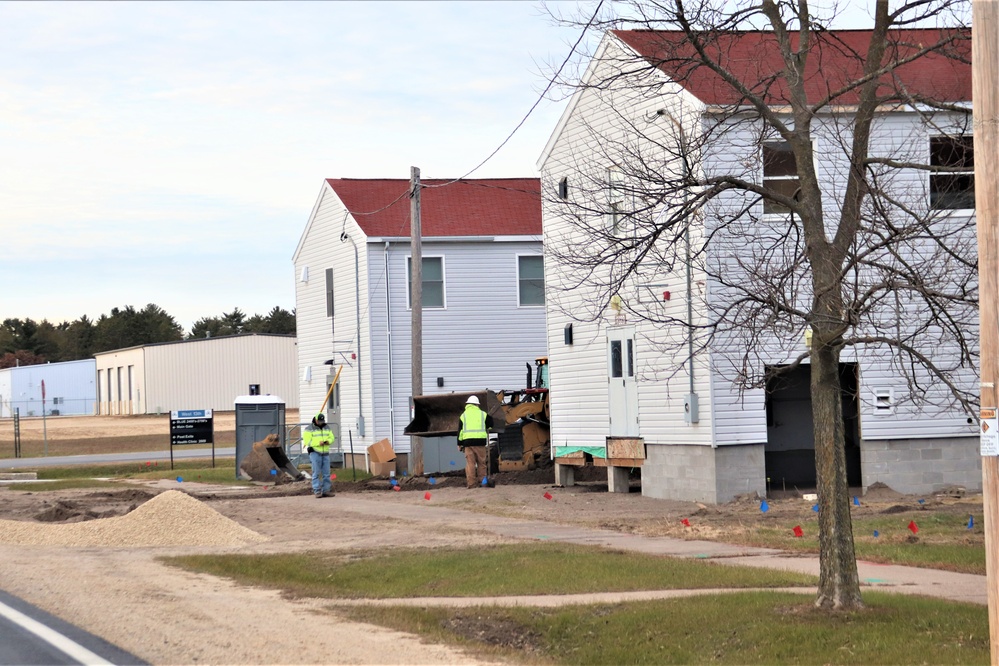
{"type": "Point", "coordinates": [472, 439]}
{"type": "Point", "coordinates": [317, 440]}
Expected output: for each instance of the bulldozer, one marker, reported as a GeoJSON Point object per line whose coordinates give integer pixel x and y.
{"type": "Point", "coordinates": [520, 418]}
{"type": "Point", "coordinates": [526, 439]}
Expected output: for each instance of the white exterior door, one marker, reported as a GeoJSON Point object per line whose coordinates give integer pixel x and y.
{"type": "Point", "coordinates": [622, 392]}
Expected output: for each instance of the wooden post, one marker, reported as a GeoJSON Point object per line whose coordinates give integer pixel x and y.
{"type": "Point", "coordinates": [985, 69]}
{"type": "Point", "coordinates": [416, 346]}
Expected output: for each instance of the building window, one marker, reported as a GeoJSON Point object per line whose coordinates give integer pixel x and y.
{"type": "Point", "coordinates": [433, 281]}
{"type": "Point", "coordinates": [563, 188]}
{"type": "Point", "coordinates": [952, 190]}
{"type": "Point", "coordinates": [780, 174]}
{"type": "Point", "coordinates": [329, 292]}
{"type": "Point", "coordinates": [615, 200]}
{"type": "Point", "coordinates": [621, 363]}
{"type": "Point", "coordinates": [531, 279]}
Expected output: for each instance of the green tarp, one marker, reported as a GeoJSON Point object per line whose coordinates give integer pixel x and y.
{"type": "Point", "coordinates": [595, 451]}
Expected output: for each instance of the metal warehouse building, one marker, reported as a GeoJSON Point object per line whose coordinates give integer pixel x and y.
{"type": "Point", "coordinates": [206, 373]}
{"type": "Point", "coordinates": [69, 389]}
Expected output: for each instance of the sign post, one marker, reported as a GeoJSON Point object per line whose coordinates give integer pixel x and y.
{"type": "Point", "coordinates": [191, 426]}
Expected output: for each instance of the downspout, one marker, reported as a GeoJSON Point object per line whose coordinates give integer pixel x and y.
{"type": "Point", "coordinates": [388, 325]}
{"type": "Point", "coordinates": [690, 284]}
{"type": "Point", "coordinates": [357, 312]}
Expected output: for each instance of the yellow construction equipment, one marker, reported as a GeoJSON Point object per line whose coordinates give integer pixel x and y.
{"type": "Point", "coordinates": [520, 418]}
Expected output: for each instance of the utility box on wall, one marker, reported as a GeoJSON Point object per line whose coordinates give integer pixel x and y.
{"type": "Point", "coordinates": [690, 408]}
{"type": "Point", "coordinates": [256, 417]}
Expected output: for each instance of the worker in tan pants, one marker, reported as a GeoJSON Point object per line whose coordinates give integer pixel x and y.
{"type": "Point", "coordinates": [472, 439]}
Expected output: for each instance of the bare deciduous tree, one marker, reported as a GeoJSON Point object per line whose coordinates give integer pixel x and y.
{"type": "Point", "coordinates": [794, 196]}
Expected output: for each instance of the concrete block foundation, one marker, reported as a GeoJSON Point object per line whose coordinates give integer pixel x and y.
{"type": "Point", "coordinates": [702, 473]}
{"type": "Point", "coordinates": [915, 466]}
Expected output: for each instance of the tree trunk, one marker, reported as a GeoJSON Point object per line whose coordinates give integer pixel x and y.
{"type": "Point", "coordinates": [839, 584]}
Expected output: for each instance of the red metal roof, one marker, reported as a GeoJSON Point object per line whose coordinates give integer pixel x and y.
{"type": "Point", "coordinates": [474, 207]}
{"type": "Point", "coordinates": [754, 58]}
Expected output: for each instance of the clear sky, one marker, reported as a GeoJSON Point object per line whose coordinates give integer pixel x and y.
{"type": "Point", "coordinates": [170, 153]}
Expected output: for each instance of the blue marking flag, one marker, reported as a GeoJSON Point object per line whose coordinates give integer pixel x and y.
{"type": "Point", "coordinates": [815, 508]}
{"type": "Point", "coordinates": [764, 507]}
{"type": "Point", "coordinates": [393, 482]}
{"type": "Point", "coordinates": [180, 479]}
{"type": "Point", "coordinates": [922, 501]}
{"type": "Point", "coordinates": [971, 522]}
{"type": "Point", "coordinates": [431, 480]}
{"type": "Point", "coordinates": [875, 534]}
{"type": "Point", "coordinates": [856, 502]}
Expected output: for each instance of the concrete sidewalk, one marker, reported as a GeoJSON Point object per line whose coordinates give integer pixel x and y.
{"type": "Point", "coordinates": [967, 588]}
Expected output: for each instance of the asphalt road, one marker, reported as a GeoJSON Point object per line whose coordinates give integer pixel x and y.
{"type": "Point", "coordinates": [98, 459]}
{"type": "Point", "coordinates": [31, 637]}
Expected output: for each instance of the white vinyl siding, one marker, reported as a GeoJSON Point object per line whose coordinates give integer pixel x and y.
{"type": "Point", "coordinates": [739, 415]}
{"type": "Point", "coordinates": [327, 343]}
{"type": "Point", "coordinates": [577, 153]}
{"type": "Point", "coordinates": [579, 372]}
{"type": "Point", "coordinates": [481, 340]}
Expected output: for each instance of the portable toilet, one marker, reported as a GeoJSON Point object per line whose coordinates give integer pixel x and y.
{"type": "Point", "coordinates": [256, 417]}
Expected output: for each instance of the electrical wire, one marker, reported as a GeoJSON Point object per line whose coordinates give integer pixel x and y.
{"type": "Point", "coordinates": [551, 82]}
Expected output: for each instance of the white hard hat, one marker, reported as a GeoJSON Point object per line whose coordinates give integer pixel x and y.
{"type": "Point", "coordinates": [472, 400]}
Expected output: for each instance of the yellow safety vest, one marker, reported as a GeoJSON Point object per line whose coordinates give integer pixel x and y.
{"type": "Point", "coordinates": [319, 439]}
{"type": "Point", "coordinates": [473, 424]}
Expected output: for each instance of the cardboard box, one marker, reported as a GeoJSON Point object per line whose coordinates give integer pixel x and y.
{"type": "Point", "coordinates": [381, 452]}
{"type": "Point", "coordinates": [382, 468]}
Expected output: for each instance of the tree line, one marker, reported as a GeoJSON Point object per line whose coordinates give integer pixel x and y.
{"type": "Point", "coordinates": [27, 342]}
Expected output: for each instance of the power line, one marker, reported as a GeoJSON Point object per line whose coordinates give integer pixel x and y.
{"type": "Point", "coordinates": [551, 82]}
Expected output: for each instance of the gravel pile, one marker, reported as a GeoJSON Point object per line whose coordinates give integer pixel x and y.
{"type": "Point", "coordinates": [172, 518]}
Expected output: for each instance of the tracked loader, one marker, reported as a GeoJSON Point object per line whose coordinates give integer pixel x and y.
{"type": "Point", "coordinates": [521, 419]}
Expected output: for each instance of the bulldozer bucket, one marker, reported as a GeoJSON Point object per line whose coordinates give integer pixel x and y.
{"type": "Point", "coordinates": [437, 415]}
{"type": "Point", "coordinates": [267, 461]}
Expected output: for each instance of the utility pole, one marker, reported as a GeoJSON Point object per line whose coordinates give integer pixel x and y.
{"type": "Point", "coordinates": [984, 70]}
{"type": "Point", "coordinates": [416, 280]}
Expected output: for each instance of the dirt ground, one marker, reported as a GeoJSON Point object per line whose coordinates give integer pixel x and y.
{"type": "Point", "coordinates": [167, 616]}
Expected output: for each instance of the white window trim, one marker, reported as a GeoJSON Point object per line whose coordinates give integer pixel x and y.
{"type": "Point", "coordinates": [409, 275]}
{"type": "Point", "coordinates": [543, 282]}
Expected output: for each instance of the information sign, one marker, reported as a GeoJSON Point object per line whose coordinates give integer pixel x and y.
{"type": "Point", "coordinates": [990, 432]}
{"type": "Point", "coordinates": [191, 426]}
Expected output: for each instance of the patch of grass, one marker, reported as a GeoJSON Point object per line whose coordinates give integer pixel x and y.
{"type": "Point", "coordinates": [738, 628]}
{"type": "Point", "coordinates": [512, 569]}
{"type": "Point", "coordinates": [92, 476]}
{"type": "Point", "coordinates": [942, 542]}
